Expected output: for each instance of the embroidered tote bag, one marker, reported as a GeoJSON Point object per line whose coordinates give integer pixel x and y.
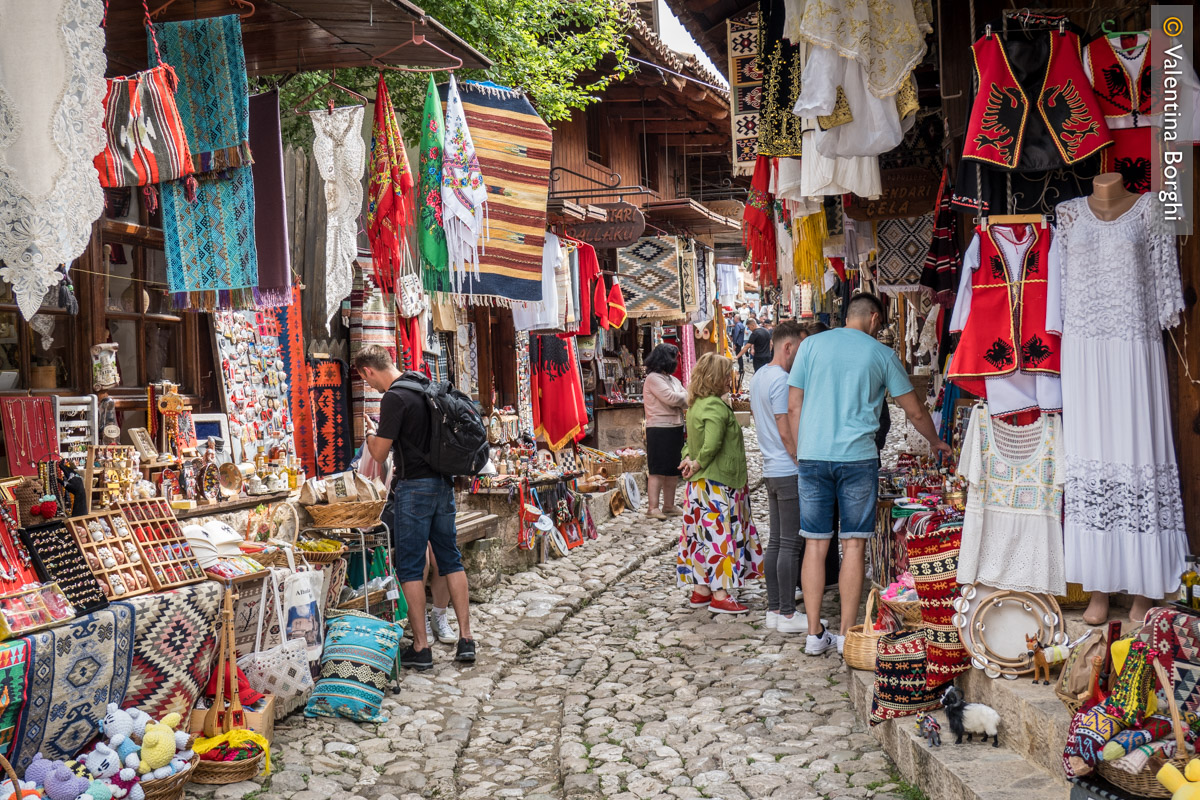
{"type": "Point", "coordinates": [144, 141]}
{"type": "Point", "coordinates": [282, 670]}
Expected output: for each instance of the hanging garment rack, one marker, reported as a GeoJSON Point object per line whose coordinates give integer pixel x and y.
{"type": "Point", "coordinates": [331, 83]}
{"type": "Point", "coordinates": [416, 40]}
{"type": "Point", "coordinates": [246, 5]}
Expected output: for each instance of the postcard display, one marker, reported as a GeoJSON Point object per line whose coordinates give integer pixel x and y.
{"type": "Point", "coordinates": [254, 386]}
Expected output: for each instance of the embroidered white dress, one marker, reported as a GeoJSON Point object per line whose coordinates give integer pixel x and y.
{"type": "Point", "coordinates": [341, 156]}
{"type": "Point", "coordinates": [1012, 534]}
{"type": "Point", "coordinates": [1124, 525]}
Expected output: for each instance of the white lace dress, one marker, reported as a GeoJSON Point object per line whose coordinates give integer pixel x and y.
{"type": "Point", "coordinates": [1012, 533]}
{"type": "Point", "coordinates": [1124, 526]}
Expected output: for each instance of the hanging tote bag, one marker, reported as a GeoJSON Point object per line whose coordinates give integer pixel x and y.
{"type": "Point", "coordinates": [282, 670]}
{"type": "Point", "coordinates": [303, 609]}
{"type": "Point", "coordinates": [144, 141]}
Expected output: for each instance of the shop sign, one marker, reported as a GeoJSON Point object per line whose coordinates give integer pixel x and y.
{"type": "Point", "coordinates": [624, 226]}
{"type": "Point", "coordinates": [907, 192]}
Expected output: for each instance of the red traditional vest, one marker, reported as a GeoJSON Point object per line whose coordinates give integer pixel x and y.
{"type": "Point", "coordinates": [1116, 94]}
{"type": "Point", "coordinates": [1006, 329]}
{"type": "Point", "coordinates": [1001, 108]}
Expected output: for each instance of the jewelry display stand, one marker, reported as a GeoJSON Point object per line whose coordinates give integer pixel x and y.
{"type": "Point", "coordinates": [77, 428]}
{"type": "Point", "coordinates": [58, 558]}
{"type": "Point", "coordinates": [30, 431]}
{"type": "Point", "coordinates": [110, 474]}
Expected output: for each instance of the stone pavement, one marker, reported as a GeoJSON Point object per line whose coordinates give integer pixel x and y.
{"type": "Point", "coordinates": [596, 681]}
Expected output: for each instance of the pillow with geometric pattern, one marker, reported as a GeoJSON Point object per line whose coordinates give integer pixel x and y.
{"type": "Point", "coordinates": [1185, 678]}
{"type": "Point", "coordinates": [357, 664]}
{"type": "Point", "coordinates": [900, 687]}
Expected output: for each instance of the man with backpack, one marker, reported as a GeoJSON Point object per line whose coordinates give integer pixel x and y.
{"type": "Point", "coordinates": [423, 494]}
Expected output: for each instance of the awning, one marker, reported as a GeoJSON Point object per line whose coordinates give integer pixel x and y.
{"type": "Point", "coordinates": [688, 214]}
{"type": "Point", "coordinates": [286, 36]}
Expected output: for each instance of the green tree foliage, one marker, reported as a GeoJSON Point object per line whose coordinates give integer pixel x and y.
{"type": "Point", "coordinates": [562, 53]}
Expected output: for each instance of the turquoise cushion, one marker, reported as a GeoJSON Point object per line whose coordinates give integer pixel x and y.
{"type": "Point", "coordinates": [356, 665]}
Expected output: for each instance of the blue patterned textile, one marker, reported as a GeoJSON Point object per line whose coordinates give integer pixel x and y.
{"type": "Point", "coordinates": [356, 665]}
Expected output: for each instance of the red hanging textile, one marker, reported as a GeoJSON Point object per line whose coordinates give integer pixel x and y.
{"type": "Point", "coordinates": [758, 226]}
{"type": "Point", "coordinates": [559, 411]}
{"type": "Point", "coordinates": [412, 350]}
{"type": "Point", "coordinates": [600, 303]}
{"type": "Point", "coordinates": [389, 194]}
{"type": "Point", "coordinates": [616, 305]}
{"type": "Point", "coordinates": [589, 271]}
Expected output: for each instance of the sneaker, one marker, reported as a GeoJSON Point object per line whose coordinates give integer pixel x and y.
{"type": "Point", "coordinates": [442, 629]}
{"type": "Point", "coordinates": [673, 512]}
{"type": "Point", "coordinates": [817, 645]}
{"type": "Point", "coordinates": [428, 628]}
{"type": "Point", "coordinates": [799, 597]}
{"type": "Point", "coordinates": [841, 643]}
{"type": "Point", "coordinates": [698, 600]}
{"type": "Point", "coordinates": [419, 660]}
{"type": "Point", "coordinates": [656, 515]}
{"type": "Point", "coordinates": [727, 606]}
{"type": "Point", "coordinates": [466, 651]}
{"type": "Point", "coordinates": [797, 623]}
{"type": "Point", "coordinates": [772, 620]}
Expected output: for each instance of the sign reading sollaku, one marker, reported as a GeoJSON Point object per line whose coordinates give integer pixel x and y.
{"type": "Point", "coordinates": [624, 226]}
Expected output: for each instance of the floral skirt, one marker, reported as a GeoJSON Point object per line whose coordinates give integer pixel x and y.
{"type": "Point", "coordinates": [719, 546]}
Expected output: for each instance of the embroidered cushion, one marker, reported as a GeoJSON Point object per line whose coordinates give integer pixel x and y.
{"type": "Point", "coordinates": [900, 681]}
{"type": "Point", "coordinates": [356, 665]}
{"type": "Point", "coordinates": [1185, 678]}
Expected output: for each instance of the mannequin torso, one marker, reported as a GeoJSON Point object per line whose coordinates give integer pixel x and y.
{"type": "Point", "coordinates": [1110, 199]}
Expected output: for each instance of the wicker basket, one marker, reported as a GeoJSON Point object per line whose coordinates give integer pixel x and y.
{"type": "Point", "coordinates": [347, 515]}
{"type": "Point", "coordinates": [1144, 783]}
{"type": "Point", "coordinates": [223, 772]}
{"type": "Point", "coordinates": [862, 641]}
{"type": "Point", "coordinates": [1075, 597]}
{"type": "Point", "coordinates": [170, 788]}
{"type": "Point", "coordinates": [908, 612]}
{"type": "Point", "coordinates": [741, 405]}
{"type": "Point", "coordinates": [633, 463]}
{"type": "Point", "coordinates": [376, 600]}
{"type": "Point", "coordinates": [320, 556]}
{"type": "Point", "coordinates": [274, 558]}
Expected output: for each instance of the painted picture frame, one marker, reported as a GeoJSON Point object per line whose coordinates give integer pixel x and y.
{"type": "Point", "coordinates": [143, 442]}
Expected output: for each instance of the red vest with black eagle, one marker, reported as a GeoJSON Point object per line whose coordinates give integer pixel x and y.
{"type": "Point", "coordinates": [1116, 94]}
{"type": "Point", "coordinates": [1065, 102]}
{"type": "Point", "coordinates": [1006, 328]}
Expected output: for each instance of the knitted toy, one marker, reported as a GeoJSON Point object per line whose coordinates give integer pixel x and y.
{"type": "Point", "coordinates": [117, 725]}
{"type": "Point", "coordinates": [98, 790]}
{"type": "Point", "coordinates": [29, 789]}
{"type": "Point", "coordinates": [1183, 785]}
{"type": "Point", "coordinates": [62, 784]}
{"type": "Point", "coordinates": [105, 764]}
{"type": "Point", "coordinates": [140, 720]}
{"type": "Point", "coordinates": [38, 770]}
{"type": "Point", "coordinates": [158, 748]}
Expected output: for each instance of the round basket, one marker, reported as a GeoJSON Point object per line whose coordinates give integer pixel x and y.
{"type": "Point", "coordinates": [633, 463]}
{"type": "Point", "coordinates": [320, 556]}
{"type": "Point", "coordinates": [740, 405]}
{"type": "Point", "coordinates": [273, 558]}
{"type": "Point", "coordinates": [1075, 597]}
{"type": "Point", "coordinates": [347, 515]}
{"type": "Point", "coordinates": [170, 788]}
{"type": "Point", "coordinates": [862, 641]}
{"type": "Point", "coordinates": [908, 612]}
{"type": "Point", "coordinates": [223, 772]}
{"type": "Point", "coordinates": [373, 599]}
{"type": "Point", "coordinates": [1144, 783]}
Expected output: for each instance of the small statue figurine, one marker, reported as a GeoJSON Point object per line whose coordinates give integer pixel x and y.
{"type": "Point", "coordinates": [930, 729]}
{"type": "Point", "coordinates": [970, 718]}
{"type": "Point", "coordinates": [1037, 652]}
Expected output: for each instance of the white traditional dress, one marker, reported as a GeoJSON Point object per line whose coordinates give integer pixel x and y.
{"type": "Point", "coordinates": [1124, 528]}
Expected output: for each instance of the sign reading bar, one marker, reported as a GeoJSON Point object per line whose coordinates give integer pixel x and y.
{"type": "Point", "coordinates": [624, 226]}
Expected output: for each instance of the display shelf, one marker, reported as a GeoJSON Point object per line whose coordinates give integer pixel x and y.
{"type": "Point", "coordinates": [113, 478]}
{"type": "Point", "coordinates": [77, 427]}
{"type": "Point", "coordinates": [105, 537]}
{"type": "Point", "coordinates": [166, 554]}
{"type": "Point", "coordinates": [58, 558]}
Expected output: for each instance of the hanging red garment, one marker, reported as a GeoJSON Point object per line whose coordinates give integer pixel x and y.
{"type": "Point", "coordinates": [600, 303]}
{"type": "Point", "coordinates": [589, 272]}
{"type": "Point", "coordinates": [616, 305]}
{"type": "Point", "coordinates": [389, 193]}
{"type": "Point", "coordinates": [758, 226]}
{"type": "Point", "coordinates": [411, 342]}
{"type": "Point", "coordinates": [559, 411]}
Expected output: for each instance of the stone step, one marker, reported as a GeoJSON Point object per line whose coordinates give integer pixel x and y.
{"type": "Point", "coordinates": [974, 771]}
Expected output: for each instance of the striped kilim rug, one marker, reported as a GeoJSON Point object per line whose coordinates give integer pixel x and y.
{"type": "Point", "coordinates": [372, 320]}
{"type": "Point", "coordinates": [649, 271]}
{"type": "Point", "coordinates": [513, 145]}
{"type": "Point", "coordinates": [745, 88]}
{"type": "Point", "coordinates": [902, 245]}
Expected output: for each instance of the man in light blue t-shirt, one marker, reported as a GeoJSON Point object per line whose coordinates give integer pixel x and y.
{"type": "Point", "coordinates": [838, 384]}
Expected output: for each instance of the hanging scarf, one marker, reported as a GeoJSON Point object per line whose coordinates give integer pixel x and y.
{"type": "Point", "coordinates": [341, 158]}
{"type": "Point", "coordinates": [616, 305]}
{"type": "Point", "coordinates": [431, 236]}
{"type": "Point", "coordinates": [464, 196]}
{"type": "Point", "coordinates": [758, 234]}
{"type": "Point", "coordinates": [390, 194]}
{"type": "Point", "coordinates": [51, 194]}
{"type": "Point", "coordinates": [274, 289]}
{"type": "Point", "coordinates": [559, 410]}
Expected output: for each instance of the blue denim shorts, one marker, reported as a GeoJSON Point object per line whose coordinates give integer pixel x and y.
{"type": "Point", "coordinates": [852, 485]}
{"type": "Point", "coordinates": [423, 514]}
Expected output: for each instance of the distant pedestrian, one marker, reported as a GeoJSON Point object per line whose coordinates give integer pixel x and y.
{"type": "Point", "coordinates": [737, 340]}
{"type": "Point", "coordinates": [719, 549]}
{"type": "Point", "coordinates": [849, 373]}
{"type": "Point", "coordinates": [758, 343]}
{"type": "Point", "coordinates": [665, 401]}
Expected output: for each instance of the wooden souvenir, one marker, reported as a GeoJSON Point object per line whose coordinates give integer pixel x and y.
{"type": "Point", "coordinates": [166, 554]}
{"type": "Point", "coordinates": [58, 558]}
{"type": "Point", "coordinates": [111, 474]}
{"type": "Point", "coordinates": [112, 554]}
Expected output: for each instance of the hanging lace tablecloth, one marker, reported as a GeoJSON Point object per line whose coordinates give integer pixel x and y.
{"type": "Point", "coordinates": [51, 111]}
{"type": "Point", "coordinates": [341, 159]}
{"type": "Point", "coordinates": [885, 36]}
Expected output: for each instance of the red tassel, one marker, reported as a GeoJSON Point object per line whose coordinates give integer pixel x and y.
{"type": "Point", "coordinates": [191, 187]}
{"type": "Point", "coordinates": [151, 196]}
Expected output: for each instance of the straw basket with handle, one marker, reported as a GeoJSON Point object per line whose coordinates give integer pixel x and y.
{"type": "Point", "coordinates": [908, 612]}
{"type": "Point", "coordinates": [347, 515]}
{"type": "Point", "coordinates": [861, 643]}
{"type": "Point", "coordinates": [1144, 783]}
{"type": "Point", "coordinates": [167, 788]}
{"type": "Point", "coordinates": [225, 772]}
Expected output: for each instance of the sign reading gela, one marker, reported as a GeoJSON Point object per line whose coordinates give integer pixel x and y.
{"type": "Point", "coordinates": [624, 226]}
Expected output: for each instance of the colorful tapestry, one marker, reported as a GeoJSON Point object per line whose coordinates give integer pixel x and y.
{"type": "Point", "coordinates": [704, 270]}
{"type": "Point", "coordinates": [779, 63]}
{"type": "Point", "coordinates": [689, 287]}
{"type": "Point", "coordinates": [295, 367]}
{"type": "Point", "coordinates": [745, 88]}
{"type": "Point", "coordinates": [901, 247]}
{"type": "Point", "coordinates": [464, 194]}
{"type": "Point", "coordinates": [341, 158]}
{"type": "Point", "coordinates": [331, 428]}
{"type": "Point", "coordinates": [524, 384]}
{"type": "Point", "coordinates": [174, 642]}
{"type": "Point", "coordinates": [649, 271]}
{"type": "Point", "coordinates": [271, 242]}
{"type": "Point", "coordinates": [208, 223]}
{"type": "Point", "coordinates": [559, 411]}
{"type": "Point", "coordinates": [431, 236]}
{"type": "Point", "coordinates": [74, 671]}
{"type": "Point", "coordinates": [389, 193]}
{"type": "Point", "coordinates": [1089, 731]}
{"type": "Point", "coordinates": [933, 545]}
{"type": "Point", "coordinates": [14, 658]}
{"type": "Point", "coordinates": [357, 664]}
{"type": "Point", "coordinates": [372, 321]}
{"type": "Point", "coordinates": [901, 686]}
{"type": "Point", "coordinates": [513, 145]}
{"type": "Point", "coordinates": [1173, 634]}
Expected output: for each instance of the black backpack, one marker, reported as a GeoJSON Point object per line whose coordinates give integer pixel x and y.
{"type": "Point", "coordinates": [458, 443]}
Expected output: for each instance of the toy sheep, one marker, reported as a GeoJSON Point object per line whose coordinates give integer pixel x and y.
{"type": "Point", "coordinates": [970, 718]}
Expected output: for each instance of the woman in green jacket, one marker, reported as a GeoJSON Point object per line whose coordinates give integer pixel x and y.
{"type": "Point", "coordinates": [719, 549]}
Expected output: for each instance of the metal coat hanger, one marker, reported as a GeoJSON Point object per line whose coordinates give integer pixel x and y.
{"type": "Point", "coordinates": [418, 40]}
{"type": "Point", "coordinates": [248, 7]}
{"type": "Point", "coordinates": [331, 83]}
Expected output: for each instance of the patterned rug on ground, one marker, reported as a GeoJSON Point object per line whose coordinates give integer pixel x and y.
{"type": "Point", "coordinates": [649, 271]}
{"type": "Point", "coordinates": [902, 247]}
{"type": "Point", "coordinates": [933, 545]}
{"type": "Point", "coordinates": [335, 446]}
{"type": "Point", "coordinates": [174, 642]}
{"type": "Point", "coordinates": [513, 145]}
{"type": "Point", "coordinates": [74, 671]}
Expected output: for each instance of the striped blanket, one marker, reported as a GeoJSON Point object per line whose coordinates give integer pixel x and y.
{"type": "Point", "coordinates": [372, 320]}
{"type": "Point", "coordinates": [513, 145]}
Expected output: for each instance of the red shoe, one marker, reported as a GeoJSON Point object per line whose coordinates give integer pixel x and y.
{"type": "Point", "coordinates": [698, 600]}
{"type": "Point", "coordinates": [727, 606]}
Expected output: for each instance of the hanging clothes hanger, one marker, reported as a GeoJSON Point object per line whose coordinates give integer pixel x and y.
{"type": "Point", "coordinates": [1111, 34]}
{"type": "Point", "coordinates": [331, 83]}
{"type": "Point", "coordinates": [1014, 219]}
{"type": "Point", "coordinates": [246, 5]}
{"type": "Point", "coordinates": [417, 40]}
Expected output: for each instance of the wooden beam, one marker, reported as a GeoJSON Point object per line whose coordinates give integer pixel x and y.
{"type": "Point", "coordinates": [676, 126]}
{"type": "Point", "coordinates": [706, 140]}
{"type": "Point", "coordinates": [650, 112]}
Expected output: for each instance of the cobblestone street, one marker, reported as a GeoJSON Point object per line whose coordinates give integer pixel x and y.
{"type": "Point", "coordinates": [595, 680]}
